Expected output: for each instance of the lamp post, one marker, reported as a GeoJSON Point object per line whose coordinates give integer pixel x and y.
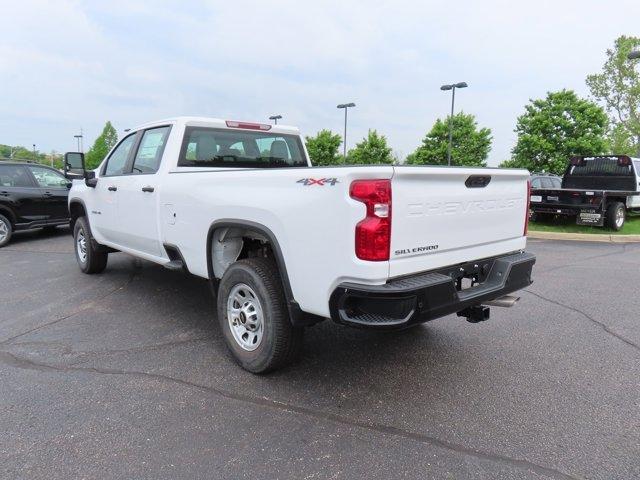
{"type": "Point", "coordinates": [275, 118]}
{"type": "Point", "coordinates": [345, 106]}
{"type": "Point", "coordinates": [452, 87]}
{"type": "Point", "coordinates": [635, 55]}
{"type": "Point", "coordinates": [79, 140]}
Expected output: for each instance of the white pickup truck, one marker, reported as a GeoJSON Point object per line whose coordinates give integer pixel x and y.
{"type": "Point", "coordinates": [286, 245]}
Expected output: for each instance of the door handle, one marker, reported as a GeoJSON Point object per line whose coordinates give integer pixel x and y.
{"type": "Point", "coordinates": [112, 188]}
{"type": "Point", "coordinates": [147, 189]}
{"type": "Point", "coordinates": [48, 194]}
{"type": "Point", "coordinates": [4, 193]}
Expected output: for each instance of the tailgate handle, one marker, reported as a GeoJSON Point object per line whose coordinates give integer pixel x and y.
{"type": "Point", "coordinates": [477, 181]}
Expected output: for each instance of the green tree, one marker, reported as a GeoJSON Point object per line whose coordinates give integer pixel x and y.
{"type": "Point", "coordinates": [470, 146]}
{"type": "Point", "coordinates": [323, 148]}
{"type": "Point", "coordinates": [373, 149]}
{"type": "Point", "coordinates": [556, 127]}
{"type": "Point", "coordinates": [618, 88]}
{"type": "Point", "coordinates": [105, 142]}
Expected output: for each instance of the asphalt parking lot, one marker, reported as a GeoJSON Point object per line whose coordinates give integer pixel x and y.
{"type": "Point", "coordinates": [125, 375]}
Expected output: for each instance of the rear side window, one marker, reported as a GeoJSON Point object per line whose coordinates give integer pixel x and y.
{"type": "Point", "coordinates": [556, 182]}
{"type": "Point", "coordinates": [636, 163]}
{"type": "Point", "coordinates": [118, 160]}
{"type": "Point", "coordinates": [14, 176]}
{"type": "Point", "coordinates": [48, 178]}
{"type": "Point", "coordinates": [149, 152]}
{"type": "Point", "coordinates": [213, 147]}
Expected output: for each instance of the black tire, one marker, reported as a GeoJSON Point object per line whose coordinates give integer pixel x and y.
{"type": "Point", "coordinates": [94, 261]}
{"type": "Point", "coordinates": [6, 231]}
{"type": "Point", "coordinates": [279, 342]}
{"type": "Point", "coordinates": [615, 216]}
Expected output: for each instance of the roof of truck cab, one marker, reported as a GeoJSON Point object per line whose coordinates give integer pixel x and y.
{"type": "Point", "coordinates": [214, 123]}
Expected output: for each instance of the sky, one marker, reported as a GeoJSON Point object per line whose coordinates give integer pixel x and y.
{"type": "Point", "coordinates": [67, 65]}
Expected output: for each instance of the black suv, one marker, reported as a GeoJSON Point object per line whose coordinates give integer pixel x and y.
{"type": "Point", "coordinates": [31, 196]}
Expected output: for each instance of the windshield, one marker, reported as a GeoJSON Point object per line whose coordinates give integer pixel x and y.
{"type": "Point", "coordinates": [215, 147]}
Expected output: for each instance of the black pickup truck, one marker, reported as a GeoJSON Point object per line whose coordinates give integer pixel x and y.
{"type": "Point", "coordinates": [597, 191]}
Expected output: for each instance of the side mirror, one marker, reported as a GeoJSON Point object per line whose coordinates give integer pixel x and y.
{"type": "Point", "coordinates": [90, 179]}
{"type": "Point", "coordinates": [74, 169]}
{"type": "Point", "coordinates": [74, 165]}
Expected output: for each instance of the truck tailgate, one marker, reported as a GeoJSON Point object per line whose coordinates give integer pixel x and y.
{"type": "Point", "coordinates": [442, 216]}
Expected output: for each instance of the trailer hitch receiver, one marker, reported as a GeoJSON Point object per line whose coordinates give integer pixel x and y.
{"type": "Point", "coordinates": [475, 314]}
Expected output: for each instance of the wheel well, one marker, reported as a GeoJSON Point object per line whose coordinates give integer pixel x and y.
{"type": "Point", "coordinates": [229, 244]}
{"type": "Point", "coordinates": [76, 210]}
{"type": "Point", "coordinates": [9, 214]}
{"type": "Point", "coordinates": [611, 200]}
{"type": "Point", "coordinates": [232, 240]}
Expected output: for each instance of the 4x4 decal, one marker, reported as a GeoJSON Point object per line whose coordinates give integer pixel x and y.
{"type": "Point", "coordinates": [318, 181]}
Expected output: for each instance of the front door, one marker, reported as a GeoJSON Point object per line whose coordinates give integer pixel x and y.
{"type": "Point", "coordinates": [55, 190]}
{"type": "Point", "coordinates": [20, 195]}
{"type": "Point", "coordinates": [104, 215]}
{"type": "Point", "coordinates": [138, 195]}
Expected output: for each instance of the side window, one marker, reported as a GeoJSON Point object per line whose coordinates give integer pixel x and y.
{"type": "Point", "coordinates": [48, 178]}
{"type": "Point", "coordinates": [118, 159]}
{"type": "Point", "coordinates": [149, 152]}
{"type": "Point", "coordinates": [535, 183]}
{"type": "Point", "coordinates": [14, 176]}
{"type": "Point", "coordinates": [557, 183]}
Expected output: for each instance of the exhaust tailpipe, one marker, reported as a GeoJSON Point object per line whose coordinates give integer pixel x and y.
{"type": "Point", "coordinates": [506, 301]}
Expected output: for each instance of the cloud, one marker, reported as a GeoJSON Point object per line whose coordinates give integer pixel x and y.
{"type": "Point", "coordinates": [68, 64]}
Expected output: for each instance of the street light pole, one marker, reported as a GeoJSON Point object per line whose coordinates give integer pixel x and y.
{"type": "Point", "coordinates": [635, 55]}
{"type": "Point", "coordinates": [452, 87]}
{"type": "Point", "coordinates": [275, 118]}
{"type": "Point", "coordinates": [345, 106]}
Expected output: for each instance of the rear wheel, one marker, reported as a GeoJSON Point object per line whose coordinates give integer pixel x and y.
{"type": "Point", "coordinates": [616, 216]}
{"type": "Point", "coordinates": [90, 259]}
{"type": "Point", "coordinates": [6, 230]}
{"type": "Point", "coordinates": [254, 318]}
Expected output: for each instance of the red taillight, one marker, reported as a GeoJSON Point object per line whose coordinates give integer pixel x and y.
{"type": "Point", "coordinates": [373, 233]}
{"type": "Point", "coordinates": [526, 210]}
{"type": "Point", "coordinates": [248, 125]}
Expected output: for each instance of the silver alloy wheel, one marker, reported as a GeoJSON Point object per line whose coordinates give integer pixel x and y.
{"type": "Point", "coordinates": [619, 217]}
{"type": "Point", "coordinates": [81, 246]}
{"type": "Point", "coordinates": [4, 230]}
{"type": "Point", "coordinates": [245, 317]}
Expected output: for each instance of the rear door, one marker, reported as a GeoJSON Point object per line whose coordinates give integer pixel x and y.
{"type": "Point", "coordinates": [54, 188]}
{"type": "Point", "coordinates": [20, 195]}
{"type": "Point", "coordinates": [138, 194]}
{"type": "Point", "coordinates": [442, 216]}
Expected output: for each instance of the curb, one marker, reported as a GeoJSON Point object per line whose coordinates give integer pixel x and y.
{"type": "Point", "coordinates": [583, 237]}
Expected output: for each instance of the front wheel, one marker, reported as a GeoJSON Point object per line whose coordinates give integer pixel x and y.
{"type": "Point", "coordinates": [254, 318]}
{"type": "Point", "coordinates": [616, 216]}
{"type": "Point", "coordinates": [90, 259]}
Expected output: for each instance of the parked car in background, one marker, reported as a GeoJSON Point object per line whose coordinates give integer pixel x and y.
{"type": "Point", "coordinates": [31, 196]}
{"type": "Point", "coordinates": [545, 180]}
{"type": "Point", "coordinates": [286, 245]}
{"type": "Point", "coordinates": [596, 191]}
